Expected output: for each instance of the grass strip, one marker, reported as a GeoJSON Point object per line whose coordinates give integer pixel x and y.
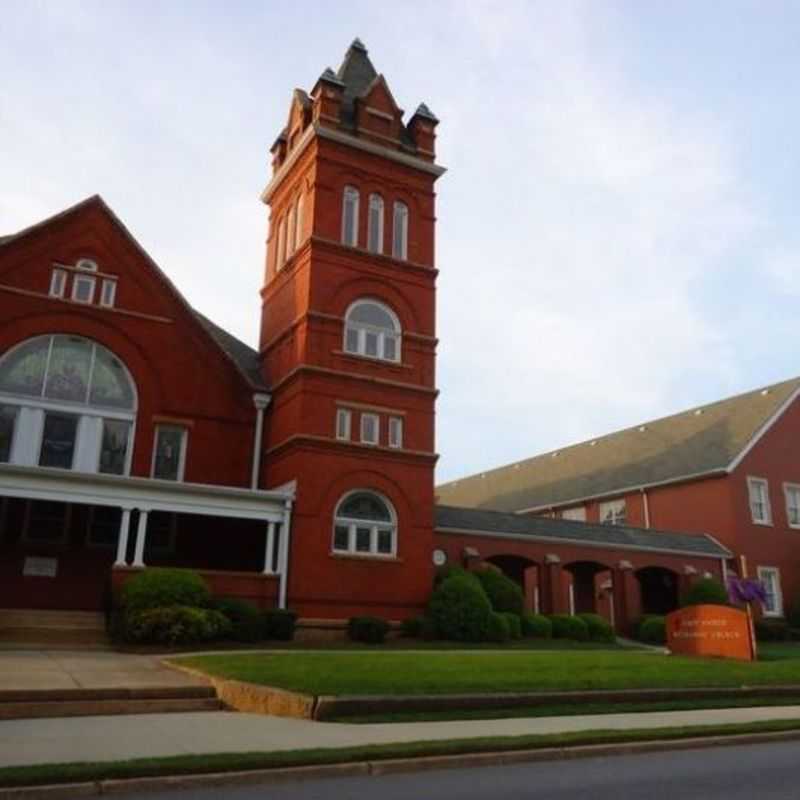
{"type": "Point", "coordinates": [38, 775]}
{"type": "Point", "coordinates": [565, 710]}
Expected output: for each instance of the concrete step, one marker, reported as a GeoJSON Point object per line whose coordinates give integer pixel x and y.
{"type": "Point", "coordinates": [35, 626]}
{"type": "Point", "coordinates": [38, 704]}
{"type": "Point", "coordinates": [53, 636]}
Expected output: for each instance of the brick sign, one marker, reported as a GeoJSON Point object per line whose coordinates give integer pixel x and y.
{"type": "Point", "coordinates": [710, 630]}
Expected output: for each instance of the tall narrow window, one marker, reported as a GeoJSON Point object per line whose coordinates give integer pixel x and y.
{"type": "Point", "coordinates": [792, 492]}
{"type": "Point", "coordinates": [169, 456]}
{"type": "Point", "coordinates": [58, 283]}
{"type": "Point", "coordinates": [343, 417]}
{"type": "Point", "coordinates": [758, 492]}
{"type": "Point", "coordinates": [770, 577]}
{"type": "Point", "coordinates": [291, 232]}
{"type": "Point", "coordinates": [370, 428]}
{"type": "Point", "coordinates": [58, 440]}
{"type": "Point", "coordinates": [395, 432]}
{"type": "Point", "coordinates": [108, 293]}
{"type": "Point", "coordinates": [298, 221]}
{"type": "Point", "coordinates": [114, 446]}
{"type": "Point", "coordinates": [83, 288]}
{"type": "Point", "coordinates": [280, 256]}
{"type": "Point", "coordinates": [8, 420]}
{"type": "Point", "coordinates": [350, 216]}
{"type": "Point", "coordinates": [400, 231]}
{"type": "Point", "coordinates": [375, 227]}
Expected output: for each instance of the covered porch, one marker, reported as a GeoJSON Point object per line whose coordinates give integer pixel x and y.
{"type": "Point", "coordinates": [66, 537]}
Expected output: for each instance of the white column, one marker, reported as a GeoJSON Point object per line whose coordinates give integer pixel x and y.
{"type": "Point", "coordinates": [122, 541]}
{"type": "Point", "coordinates": [27, 440]}
{"type": "Point", "coordinates": [268, 570]}
{"type": "Point", "coordinates": [260, 401]}
{"type": "Point", "coordinates": [141, 535]}
{"type": "Point", "coordinates": [283, 557]}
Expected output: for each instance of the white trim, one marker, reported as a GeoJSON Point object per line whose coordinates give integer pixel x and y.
{"type": "Point", "coordinates": [754, 481]}
{"type": "Point", "coordinates": [366, 415]}
{"type": "Point", "coordinates": [787, 487]}
{"type": "Point", "coordinates": [352, 523]}
{"type": "Point", "coordinates": [778, 612]}
{"type": "Point", "coordinates": [362, 329]}
{"type": "Point", "coordinates": [529, 537]}
{"type": "Point", "coordinates": [283, 554]}
{"type": "Point", "coordinates": [344, 418]}
{"type": "Point", "coordinates": [184, 431]}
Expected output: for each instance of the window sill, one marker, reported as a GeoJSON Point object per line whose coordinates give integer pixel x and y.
{"type": "Point", "coordinates": [763, 523]}
{"type": "Point", "coordinates": [392, 559]}
{"type": "Point", "coordinates": [385, 362]}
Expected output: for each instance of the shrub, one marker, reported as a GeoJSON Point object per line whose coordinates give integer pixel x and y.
{"type": "Point", "coordinates": [503, 593]}
{"type": "Point", "coordinates": [176, 625]}
{"type": "Point", "coordinates": [411, 628]}
{"type": "Point", "coordinates": [536, 626]}
{"type": "Point", "coordinates": [450, 571]}
{"type": "Point", "coordinates": [460, 609]}
{"type": "Point", "coordinates": [428, 630]}
{"type": "Point", "coordinates": [600, 629]}
{"type": "Point", "coordinates": [705, 590]}
{"type": "Point", "coordinates": [279, 624]}
{"type": "Point", "coordinates": [497, 628]}
{"type": "Point", "coordinates": [514, 624]}
{"type": "Point", "coordinates": [652, 630]}
{"type": "Point", "coordinates": [773, 630]}
{"type": "Point", "coordinates": [371, 630]}
{"type": "Point", "coordinates": [567, 627]}
{"type": "Point", "coordinates": [159, 587]}
{"type": "Point", "coordinates": [247, 622]}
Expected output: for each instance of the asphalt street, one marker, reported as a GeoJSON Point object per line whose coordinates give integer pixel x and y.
{"type": "Point", "coordinates": [751, 772]}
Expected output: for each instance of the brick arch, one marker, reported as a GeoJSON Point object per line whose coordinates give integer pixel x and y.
{"type": "Point", "coordinates": [584, 575]}
{"type": "Point", "coordinates": [362, 287]}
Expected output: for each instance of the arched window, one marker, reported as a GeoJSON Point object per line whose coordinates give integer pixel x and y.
{"type": "Point", "coordinates": [375, 226]}
{"type": "Point", "coordinates": [298, 220]}
{"type": "Point", "coordinates": [350, 216]}
{"type": "Point", "coordinates": [365, 523]}
{"type": "Point", "coordinates": [373, 330]}
{"type": "Point", "coordinates": [291, 232]}
{"type": "Point", "coordinates": [66, 402]}
{"type": "Point", "coordinates": [281, 253]}
{"type": "Point", "coordinates": [400, 231]}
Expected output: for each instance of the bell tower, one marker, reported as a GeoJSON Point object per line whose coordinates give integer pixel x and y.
{"type": "Point", "coordinates": [348, 343]}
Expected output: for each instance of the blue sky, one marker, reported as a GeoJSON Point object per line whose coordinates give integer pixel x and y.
{"type": "Point", "coordinates": [617, 233]}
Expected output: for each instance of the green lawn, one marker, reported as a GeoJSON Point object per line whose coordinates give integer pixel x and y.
{"type": "Point", "coordinates": [778, 651]}
{"type": "Point", "coordinates": [453, 672]}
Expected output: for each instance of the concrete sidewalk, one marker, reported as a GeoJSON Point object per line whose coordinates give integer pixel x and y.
{"type": "Point", "coordinates": [151, 735]}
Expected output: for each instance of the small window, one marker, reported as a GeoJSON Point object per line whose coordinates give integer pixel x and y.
{"type": "Point", "coordinates": [613, 512]}
{"type": "Point", "coordinates": [8, 421]}
{"type": "Point", "coordinates": [577, 514]}
{"type": "Point", "coordinates": [365, 524]}
{"type": "Point", "coordinates": [792, 492]}
{"type": "Point", "coordinates": [758, 492]}
{"type": "Point", "coordinates": [372, 330]}
{"type": "Point", "coordinates": [291, 232]}
{"type": "Point", "coordinates": [375, 226]}
{"type": "Point", "coordinates": [169, 456]}
{"type": "Point", "coordinates": [395, 432]}
{"type": "Point", "coordinates": [400, 231]}
{"type": "Point", "coordinates": [770, 578]}
{"type": "Point", "coordinates": [370, 428]}
{"type": "Point", "coordinates": [58, 440]}
{"type": "Point", "coordinates": [58, 283]}
{"type": "Point", "coordinates": [350, 216]}
{"type": "Point", "coordinates": [83, 288]}
{"type": "Point", "coordinates": [108, 293]}
{"type": "Point", "coordinates": [343, 417]}
{"type": "Point", "coordinates": [281, 252]}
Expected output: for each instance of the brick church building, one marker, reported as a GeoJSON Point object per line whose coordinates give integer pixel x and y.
{"type": "Point", "coordinates": [135, 432]}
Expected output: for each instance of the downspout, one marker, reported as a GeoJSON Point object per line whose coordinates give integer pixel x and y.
{"type": "Point", "coordinates": [646, 505]}
{"type": "Point", "coordinates": [284, 559]}
{"type": "Point", "coordinates": [260, 401]}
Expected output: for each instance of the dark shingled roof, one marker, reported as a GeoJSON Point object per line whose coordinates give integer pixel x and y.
{"type": "Point", "coordinates": [568, 531]}
{"type": "Point", "coordinates": [697, 442]}
{"type": "Point", "coordinates": [243, 356]}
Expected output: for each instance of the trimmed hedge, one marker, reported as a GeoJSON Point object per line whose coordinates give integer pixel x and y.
{"type": "Point", "coordinates": [460, 609]}
{"type": "Point", "coordinates": [503, 593]}
{"type": "Point", "coordinates": [706, 591]}
{"type": "Point", "coordinates": [567, 627]}
{"type": "Point", "coordinates": [497, 627]}
{"type": "Point", "coordinates": [600, 629]}
{"type": "Point", "coordinates": [652, 630]}
{"type": "Point", "coordinates": [536, 626]}
{"type": "Point", "coordinates": [279, 624]}
{"type": "Point", "coordinates": [247, 622]}
{"type": "Point", "coordinates": [176, 625]}
{"type": "Point", "coordinates": [159, 587]}
{"type": "Point", "coordinates": [451, 571]}
{"type": "Point", "coordinates": [371, 630]}
{"type": "Point", "coordinates": [514, 624]}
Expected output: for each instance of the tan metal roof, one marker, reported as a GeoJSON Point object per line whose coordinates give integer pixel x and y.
{"type": "Point", "coordinates": [700, 441]}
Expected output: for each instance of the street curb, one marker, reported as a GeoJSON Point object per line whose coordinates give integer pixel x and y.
{"type": "Point", "coordinates": [387, 767]}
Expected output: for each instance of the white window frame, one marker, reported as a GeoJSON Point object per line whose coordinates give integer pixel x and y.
{"type": "Point", "coordinates": [350, 195]}
{"type": "Point", "coordinates": [86, 264]}
{"type": "Point", "coordinates": [789, 489]}
{"type": "Point", "coordinates": [617, 509]}
{"type": "Point", "coordinates": [280, 251]}
{"type": "Point", "coordinates": [778, 594]}
{"type": "Point", "coordinates": [365, 416]}
{"type": "Point", "coordinates": [381, 333]}
{"type": "Point", "coordinates": [85, 280]}
{"type": "Point", "coordinates": [753, 483]}
{"type": "Point", "coordinates": [343, 424]}
{"type": "Point", "coordinates": [58, 282]}
{"type": "Point", "coordinates": [108, 292]}
{"type": "Point", "coordinates": [375, 224]}
{"type": "Point", "coordinates": [353, 524]}
{"type": "Point", "coordinates": [400, 230]}
{"type": "Point", "coordinates": [575, 513]}
{"type": "Point", "coordinates": [396, 432]}
{"type": "Point", "coordinates": [181, 457]}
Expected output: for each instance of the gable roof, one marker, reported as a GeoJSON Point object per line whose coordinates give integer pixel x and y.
{"type": "Point", "coordinates": [563, 531]}
{"type": "Point", "coordinates": [243, 357]}
{"type": "Point", "coordinates": [694, 443]}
